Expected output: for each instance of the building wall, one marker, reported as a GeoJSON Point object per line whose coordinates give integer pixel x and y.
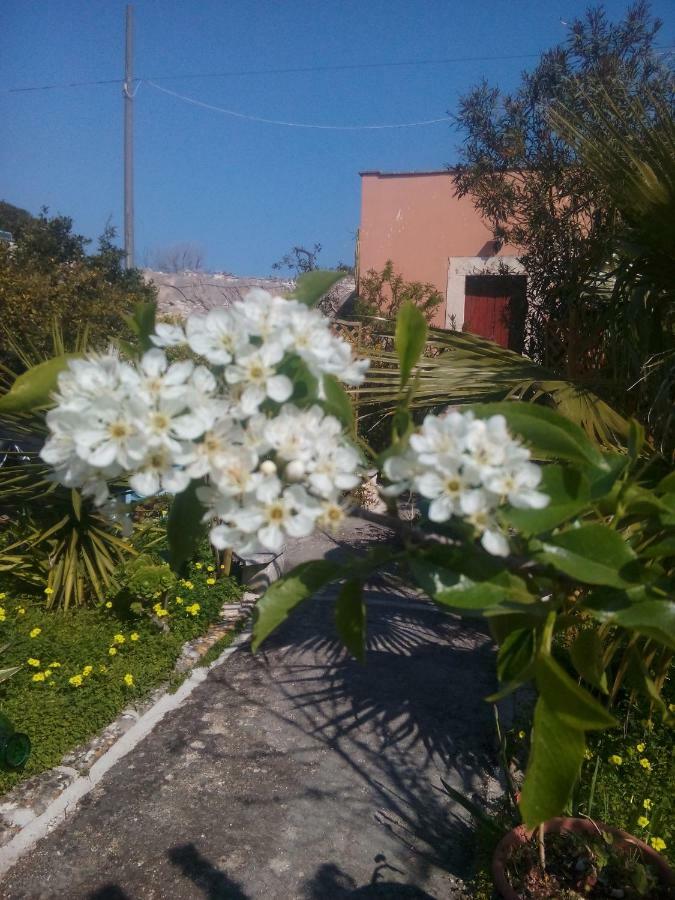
{"type": "Point", "coordinates": [414, 220]}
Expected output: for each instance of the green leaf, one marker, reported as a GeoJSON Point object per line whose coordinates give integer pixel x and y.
{"type": "Point", "coordinates": [305, 385]}
{"type": "Point", "coordinates": [602, 481]}
{"type": "Point", "coordinates": [592, 553]}
{"type": "Point", "coordinates": [667, 484]}
{"type": "Point", "coordinates": [555, 759]}
{"type": "Point", "coordinates": [350, 619]}
{"type": "Point", "coordinates": [570, 702]}
{"type": "Point", "coordinates": [337, 401]}
{"type": "Point", "coordinates": [401, 425]}
{"type": "Point", "coordinates": [34, 388]}
{"type": "Point", "coordinates": [142, 323]}
{"type": "Point", "coordinates": [185, 528]}
{"type": "Point", "coordinates": [515, 655]}
{"type": "Point", "coordinates": [284, 595]}
{"type": "Point", "coordinates": [636, 439]}
{"type": "Point", "coordinates": [653, 618]}
{"type": "Point", "coordinates": [409, 339]}
{"type": "Point", "coordinates": [311, 286]}
{"type": "Point", "coordinates": [570, 493]}
{"type": "Point", "coordinates": [479, 589]}
{"type": "Point", "coordinates": [586, 653]}
{"type": "Point", "coordinates": [549, 434]}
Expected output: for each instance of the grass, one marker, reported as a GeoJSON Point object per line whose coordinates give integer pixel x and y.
{"type": "Point", "coordinates": [58, 714]}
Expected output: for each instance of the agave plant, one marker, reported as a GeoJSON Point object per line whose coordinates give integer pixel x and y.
{"type": "Point", "coordinates": [61, 544]}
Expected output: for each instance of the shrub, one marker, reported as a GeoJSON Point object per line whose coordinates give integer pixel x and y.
{"type": "Point", "coordinates": [48, 277]}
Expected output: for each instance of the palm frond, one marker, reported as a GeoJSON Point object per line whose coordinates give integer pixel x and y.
{"type": "Point", "coordinates": [461, 368]}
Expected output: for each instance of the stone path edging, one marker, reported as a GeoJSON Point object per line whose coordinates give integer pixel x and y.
{"type": "Point", "coordinates": [25, 820]}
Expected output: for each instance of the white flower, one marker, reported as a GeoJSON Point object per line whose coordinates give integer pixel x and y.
{"type": "Point", "coordinates": [518, 485]}
{"type": "Point", "coordinates": [168, 335]}
{"type": "Point", "coordinates": [441, 438]}
{"type": "Point", "coordinates": [267, 317]}
{"type": "Point", "coordinates": [157, 470]}
{"type": "Point", "coordinates": [467, 467]}
{"type": "Point", "coordinates": [256, 371]}
{"type": "Point", "coordinates": [445, 489]}
{"type": "Point", "coordinates": [292, 512]}
{"type": "Point", "coordinates": [218, 336]}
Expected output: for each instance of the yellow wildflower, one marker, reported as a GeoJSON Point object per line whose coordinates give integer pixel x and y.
{"type": "Point", "coordinates": [647, 803]}
{"type": "Point", "coordinates": [159, 610]}
{"type": "Point", "coordinates": [193, 609]}
{"type": "Point", "coordinates": [103, 669]}
{"type": "Point", "coordinates": [21, 611]}
{"type": "Point", "coordinates": [33, 662]}
{"type": "Point", "coordinates": [188, 584]}
{"type": "Point", "coordinates": [198, 565]}
{"type": "Point", "coordinates": [643, 821]}
{"type": "Point", "coordinates": [134, 636]}
{"type": "Point", "coordinates": [3, 615]}
{"type": "Point", "coordinates": [210, 581]}
{"type": "Point", "coordinates": [118, 639]}
{"type": "Point", "coordinates": [112, 651]}
{"type": "Point", "coordinates": [39, 676]}
{"type": "Point", "coordinates": [35, 631]}
{"type": "Point", "coordinates": [49, 591]}
{"type": "Point", "coordinates": [521, 735]}
{"type": "Point", "coordinates": [129, 679]}
{"type": "Point", "coordinates": [615, 759]}
{"type": "Point", "coordinates": [108, 604]}
{"type": "Point", "coordinates": [209, 568]}
{"type": "Point", "coordinates": [179, 601]}
{"type": "Point", "coordinates": [658, 843]}
{"type": "Point", "coordinates": [48, 673]}
{"type": "Point", "coordinates": [644, 762]}
{"type": "Point", "coordinates": [588, 754]}
{"type": "Point", "coordinates": [640, 748]}
{"type": "Point", "coordinates": [76, 680]}
{"type": "Point", "coordinates": [54, 665]}
{"type": "Point", "coordinates": [87, 671]}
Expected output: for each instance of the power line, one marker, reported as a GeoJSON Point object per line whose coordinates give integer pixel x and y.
{"type": "Point", "coordinates": [238, 115]}
{"type": "Point", "coordinates": [338, 67]}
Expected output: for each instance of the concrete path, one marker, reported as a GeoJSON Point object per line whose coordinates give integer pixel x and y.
{"type": "Point", "coordinates": [296, 773]}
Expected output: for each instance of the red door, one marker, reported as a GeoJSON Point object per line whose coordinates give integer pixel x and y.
{"type": "Point", "coordinates": [488, 317]}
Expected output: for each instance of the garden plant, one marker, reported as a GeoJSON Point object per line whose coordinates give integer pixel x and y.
{"type": "Point", "coordinates": [567, 550]}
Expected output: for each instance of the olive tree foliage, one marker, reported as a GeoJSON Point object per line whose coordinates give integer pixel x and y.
{"type": "Point", "coordinates": [48, 280]}
{"type": "Point", "coordinates": [528, 180]}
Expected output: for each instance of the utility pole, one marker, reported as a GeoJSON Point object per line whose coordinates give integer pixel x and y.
{"type": "Point", "coordinates": [127, 92]}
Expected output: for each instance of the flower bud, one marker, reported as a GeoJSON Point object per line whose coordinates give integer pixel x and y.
{"type": "Point", "coordinates": [295, 470]}
{"type": "Point", "coordinates": [268, 467]}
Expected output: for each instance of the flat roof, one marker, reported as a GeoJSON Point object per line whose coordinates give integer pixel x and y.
{"type": "Point", "coordinates": [405, 174]}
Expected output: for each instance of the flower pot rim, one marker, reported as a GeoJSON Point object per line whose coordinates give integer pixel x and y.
{"type": "Point", "coordinates": [521, 835]}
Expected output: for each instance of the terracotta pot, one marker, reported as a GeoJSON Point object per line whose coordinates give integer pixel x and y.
{"type": "Point", "coordinates": [521, 835]}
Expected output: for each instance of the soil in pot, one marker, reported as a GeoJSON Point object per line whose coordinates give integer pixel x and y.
{"type": "Point", "coordinates": [582, 866]}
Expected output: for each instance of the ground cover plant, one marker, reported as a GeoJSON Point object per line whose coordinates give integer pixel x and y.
{"type": "Point", "coordinates": [78, 669]}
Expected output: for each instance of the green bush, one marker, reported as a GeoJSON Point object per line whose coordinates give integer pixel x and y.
{"type": "Point", "coordinates": [57, 713]}
{"type": "Point", "coordinates": [48, 276]}
{"type": "Point", "coordinates": [143, 582]}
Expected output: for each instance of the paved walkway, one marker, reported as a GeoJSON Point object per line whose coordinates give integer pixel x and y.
{"type": "Point", "coordinates": [296, 773]}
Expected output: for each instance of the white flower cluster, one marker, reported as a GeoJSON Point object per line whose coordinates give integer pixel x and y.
{"type": "Point", "coordinates": [467, 467]}
{"type": "Point", "coordinates": [269, 467]}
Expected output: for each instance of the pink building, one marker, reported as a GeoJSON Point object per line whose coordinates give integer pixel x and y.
{"type": "Point", "coordinates": [414, 219]}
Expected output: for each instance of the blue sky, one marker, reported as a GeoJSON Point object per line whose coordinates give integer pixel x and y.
{"type": "Point", "coordinates": [247, 191]}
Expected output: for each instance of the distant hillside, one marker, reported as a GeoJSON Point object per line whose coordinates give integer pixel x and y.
{"type": "Point", "coordinates": [182, 293]}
